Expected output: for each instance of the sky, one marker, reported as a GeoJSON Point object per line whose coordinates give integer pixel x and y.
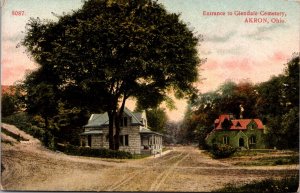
{"type": "Point", "coordinates": [232, 48]}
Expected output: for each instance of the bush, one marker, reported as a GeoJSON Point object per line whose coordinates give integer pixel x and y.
{"type": "Point", "coordinates": [286, 184]}
{"type": "Point", "coordinates": [222, 150]}
{"type": "Point", "coordinates": [86, 151]}
{"type": "Point", "coordinates": [24, 122]}
{"type": "Point", "coordinates": [31, 126]}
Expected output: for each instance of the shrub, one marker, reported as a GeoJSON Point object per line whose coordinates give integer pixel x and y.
{"type": "Point", "coordinates": [86, 151]}
{"type": "Point", "coordinates": [30, 125]}
{"type": "Point", "coordinates": [222, 150]}
{"type": "Point", "coordinates": [23, 122]}
{"type": "Point", "coordinates": [286, 184]}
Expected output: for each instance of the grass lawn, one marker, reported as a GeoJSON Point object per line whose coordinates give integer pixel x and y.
{"type": "Point", "coordinates": [287, 184]}
{"type": "Point", "coordinates": [265, 157]}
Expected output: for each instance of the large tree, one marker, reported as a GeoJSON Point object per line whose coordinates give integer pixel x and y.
{"type": "Point", "coordinates": [113, 50]}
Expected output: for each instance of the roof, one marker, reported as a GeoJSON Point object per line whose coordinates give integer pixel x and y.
{"type": "Point", "coordinates": [97, 120]}
{"type": "Point", "coordinates": [148, 131]}
{"type": "Point", "coordinates": [92, 132]}
{"type": "Point", "coordinates": [102, 120]}
{"type": "Point", "coordinates": [136, 117]}
{"type": "Point", "coordinates": [238, 124]}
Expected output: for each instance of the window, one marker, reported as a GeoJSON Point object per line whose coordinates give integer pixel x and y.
{"type": "Point", "coordinates": [123, 140]}
{"type": "Point", "coordinates": [124, 122]}
{"type": "Point", "coordinates": [252, 140]}
{"type": "Point", "coordinates": [226, 140]}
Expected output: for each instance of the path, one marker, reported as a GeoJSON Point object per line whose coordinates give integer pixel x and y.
{"type": "Point", "coordinates": [32, 167]}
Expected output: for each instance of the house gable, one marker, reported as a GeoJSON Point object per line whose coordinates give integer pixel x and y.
{"type": "Point", "coordinates": [252, 125]}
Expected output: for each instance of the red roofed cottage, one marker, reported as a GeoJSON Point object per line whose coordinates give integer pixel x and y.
{"type": "Point", "coordinates": [242, 133]}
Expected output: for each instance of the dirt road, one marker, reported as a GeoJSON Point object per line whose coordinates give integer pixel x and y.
{"type": "Point", "coordinates": [29, 166]}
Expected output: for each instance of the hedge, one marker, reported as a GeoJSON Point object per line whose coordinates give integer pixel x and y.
{"type": "Point", "coordinates": [86, 151]}
{"type": "Point", "coordinates": [222, 150]}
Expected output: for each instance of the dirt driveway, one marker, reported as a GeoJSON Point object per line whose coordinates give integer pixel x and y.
{"type": "Point", "coordinates": [30, 166]}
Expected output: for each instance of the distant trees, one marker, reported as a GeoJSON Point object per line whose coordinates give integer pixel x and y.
{"type": "Point", "coordinates": [275, 101]}
{"type": "Point", "coordinates": [279, 106]}
{"type": "Point", "coordinates": [10, 103]}
{"type": "Point", "coordinates": [157, 119]}
{"type": "Point", "coordinates": [104, 53]}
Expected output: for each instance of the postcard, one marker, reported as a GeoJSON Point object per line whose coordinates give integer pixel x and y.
{"type": "Point", "coordinates": [150, 95]}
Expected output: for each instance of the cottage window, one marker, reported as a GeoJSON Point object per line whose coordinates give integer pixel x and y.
{"type": "Point", "coordinates": [226, 140]}
{"type": "Point", "coordinates": [123, 140]}
{"type": "Point", "coordinates": [123, 122]}
{"type": "Point", "coordinates": [252, 140]}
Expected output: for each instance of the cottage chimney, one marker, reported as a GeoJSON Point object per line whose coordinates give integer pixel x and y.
{"type": "Point", "coordinates": [241, 111]}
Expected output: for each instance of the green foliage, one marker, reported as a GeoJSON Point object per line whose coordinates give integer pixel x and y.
{"type": "Point", "coordinates": [286, 184]}
{"type": "Point", "coordinates": [107, 51]}
{"type": "Point", "coordinates": [8, 105]}
{"type": "Point", "coordinates": [157, 119]}
{"type": "Point", "coordinates": [86, 151]}
{"type": "Point", "coordinates": [275, 102]}
{"type": "Point", "coordinates": [290, 126]}
{"type": "Point", "coordinates": [222, 151]}
{"type": "Point", "coordinates": [25, 123]}
{"type": "Point", "coordinates": [33, 126]}
{"type": "Point", "coordinates": [271, 161]}
{"type": "Point", "coordinates": [208, 106]}
{"type": "Point", "coordinates": [68, 123]}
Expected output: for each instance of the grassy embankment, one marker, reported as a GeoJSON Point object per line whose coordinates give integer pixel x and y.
{"type": "Point", "coordinates": [287, 184]}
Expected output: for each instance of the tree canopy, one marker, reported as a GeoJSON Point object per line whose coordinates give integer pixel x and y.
{"type": "Point", "coordinates": [157, 119]}
{"type": "Point", "coordinates": [275, 102]}
{"type": "Point", "coordinates": [108, 51]}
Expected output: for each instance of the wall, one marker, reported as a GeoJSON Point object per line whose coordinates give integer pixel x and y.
{"type": "Point", "coordinates": [134, 139]}
{"type": "Point", "coordinates": [234, 137]}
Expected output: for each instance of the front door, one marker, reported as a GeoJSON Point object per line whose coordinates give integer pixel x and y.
{"type": "Point", "coordinates": [241, 142]}
{"type": "Point", "coordinates": [90, 140]}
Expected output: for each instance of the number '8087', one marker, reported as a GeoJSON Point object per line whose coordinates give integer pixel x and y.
{"type": "Point", "coordinates": [18, 13]}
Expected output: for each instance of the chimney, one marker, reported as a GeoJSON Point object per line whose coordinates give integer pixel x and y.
{"type": "Point", "coordinates": [241, 111]}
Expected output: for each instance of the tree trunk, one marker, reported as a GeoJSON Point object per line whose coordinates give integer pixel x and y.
{"type": "Point", "coordinates": [111, 116]}
{"type": "Point", "coordinates": [117, 134]}
{"type": "Point", "coordinates": [119, 117]}
{"type": "Point", "coordinates": [46, 123]}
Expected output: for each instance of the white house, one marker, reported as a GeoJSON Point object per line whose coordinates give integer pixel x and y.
{"type": "Point", "coordinates": [135, 136]}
